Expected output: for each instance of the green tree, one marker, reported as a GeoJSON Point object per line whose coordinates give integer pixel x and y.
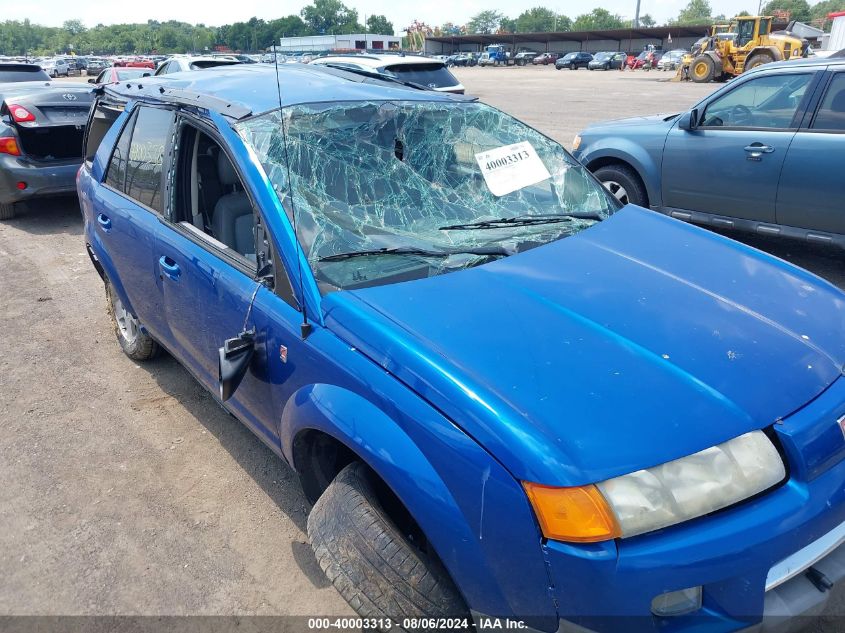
{"type": "Point", "coordinates": [696, 12]}
{"type": "Point", "coordinates": [819, 11]}
{"type": "Point", "coordinates": [330, 16]}
{"type": "Point", "coordinates": [536, 20]}
{"type": "Point", "coordinates": [507, 25]}
{"type": "Point", "coordinates": [380, 25]}
{"type": "Point", "coordinates": [798, 9]}
{"type": "Point", "coordinates": [290, 26]}
{"type": "Point", "coordinates": [485, 22]}
{"type": "Point", "coordinates": [598, 19]}
{"type": "Point", "coordinates": [647, 21]}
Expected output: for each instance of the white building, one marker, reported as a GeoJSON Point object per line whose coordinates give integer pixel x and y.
{"type": "Point", "coordinates": [354, 41]}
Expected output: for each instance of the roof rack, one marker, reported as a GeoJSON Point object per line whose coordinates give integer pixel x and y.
{"type": "Point", "coordinates": [177, 96]}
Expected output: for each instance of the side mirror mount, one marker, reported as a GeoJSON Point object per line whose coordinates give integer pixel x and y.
{"type": "Point", "coordinates": [145, 75]}
{"type": "Point", "coordinates": [93, 80]}
{"type": "Point", "coordinates": [233, 362]}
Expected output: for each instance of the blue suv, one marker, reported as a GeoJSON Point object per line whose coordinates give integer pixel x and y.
{"type": "Point", "coordinates": [506, 396]}
{"type": "Point", "coordinates": [762, 154]}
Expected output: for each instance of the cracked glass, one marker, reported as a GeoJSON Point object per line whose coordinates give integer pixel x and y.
{"type": "Point", "coordinates": [381, 192]}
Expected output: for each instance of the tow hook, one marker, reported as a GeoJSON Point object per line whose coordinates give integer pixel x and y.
{"type": "Point", "coordinates": [819, 580]}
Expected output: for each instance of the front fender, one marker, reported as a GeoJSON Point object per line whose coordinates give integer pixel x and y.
{"type": "Point", "coordinates": [472, 511]}
{"type": "Point", "coordinates": [645, 161]}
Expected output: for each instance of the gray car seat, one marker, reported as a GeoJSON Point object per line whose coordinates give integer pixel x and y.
{"type": "Point", "coordinates": [232, 221]}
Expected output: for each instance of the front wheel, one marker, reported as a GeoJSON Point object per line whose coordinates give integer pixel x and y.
{"type": "Point", "coordinates": [702, 69]}
{"type": "Point", "coordinates": [623, 183]}
{"type": "Point", "coordinates": [135, 343]}
{"type": "Point", "coordinates": [372, 552]}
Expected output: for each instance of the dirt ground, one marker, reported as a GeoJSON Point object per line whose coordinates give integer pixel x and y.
{"type": "Point", "coordinates": [125, 488]}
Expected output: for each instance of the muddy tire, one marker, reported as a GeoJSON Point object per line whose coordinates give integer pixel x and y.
{"type": "Point", "coordinates": [758, 59]}
{"type": "Point", "coordinates": [702, 69]}
{"type": "Point", "coordinates": [135, 343]}
{"type": "Point", "coordinates": [623, 183]}
{"type": "Point", "coordinates": [8, 211]}
{"type": "Point", "coordinates": [372, 563]}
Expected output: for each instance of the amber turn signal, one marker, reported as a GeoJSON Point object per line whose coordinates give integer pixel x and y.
{"type": "Point", "coordinates": [575, 515]}
{"type": "Point", "coordinates": [9, 146]}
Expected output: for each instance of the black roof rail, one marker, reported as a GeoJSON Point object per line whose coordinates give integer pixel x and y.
{"type": "Point", "coordinates": [177, 96]}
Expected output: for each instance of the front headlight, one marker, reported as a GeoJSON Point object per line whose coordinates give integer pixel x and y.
{"type": "Point", "coordinates": [654, 498]}
{"type": "Point", "coordinates": [576, 142]}
{"type": "Point", "coordinates": [693, 486]}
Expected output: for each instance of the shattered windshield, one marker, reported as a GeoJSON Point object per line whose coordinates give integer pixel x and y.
{"type": "Point", "coordinates": [389, 191]}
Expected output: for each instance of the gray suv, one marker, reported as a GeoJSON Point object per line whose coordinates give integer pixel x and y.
{"type": "Point", "coordinates": [764, 154]}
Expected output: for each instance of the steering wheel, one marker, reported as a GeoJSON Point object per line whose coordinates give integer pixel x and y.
{"type": "Point", "coordinates": [740, 115]}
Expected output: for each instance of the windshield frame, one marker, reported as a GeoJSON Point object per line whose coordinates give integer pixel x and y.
{"type": "Point", "coordinates": [290, 210]}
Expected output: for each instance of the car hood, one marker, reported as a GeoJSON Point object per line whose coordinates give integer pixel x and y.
{"type": "Point", "coordinates": [665, 119]}
{"type": "Point", "coordinates": [632, 343]}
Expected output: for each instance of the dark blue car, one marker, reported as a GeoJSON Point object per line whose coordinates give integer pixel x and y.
{"type": "Point", "coordinates": [505, 396]}
{"type": "Point", "coordinates": [762, 154]}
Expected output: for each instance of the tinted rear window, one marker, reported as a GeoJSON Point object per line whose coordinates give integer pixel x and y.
{"type": "Point", "coordinates": [211, 63]}
{"type": "Point", "coordinates": [10, 74]}
{"type": "Point", "coordinates": [431, 75]}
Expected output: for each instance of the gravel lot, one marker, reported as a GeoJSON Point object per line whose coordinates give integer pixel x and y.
{"type": "Point", "coordinates": [126, 489]}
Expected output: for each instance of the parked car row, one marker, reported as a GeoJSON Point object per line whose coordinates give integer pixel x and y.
{"type": "Point", "coordinates": [507, 390]}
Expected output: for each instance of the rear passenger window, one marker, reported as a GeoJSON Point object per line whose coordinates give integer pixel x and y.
{"type": "Point", "coordinates": [831, 114]}
{"type": "Point", "coordinates": [153, 126]}
{"type": "Point", "coordinates": [116, 174]}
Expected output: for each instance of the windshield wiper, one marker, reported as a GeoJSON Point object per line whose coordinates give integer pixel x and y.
{"type": "Point", "coordinates": [525, 220]}
{"type": "Point", "coordinates": [407, 250]}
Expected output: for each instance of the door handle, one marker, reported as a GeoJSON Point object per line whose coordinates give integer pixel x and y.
{"type": "Point", "coordinates": [104, 222]}
{"type": "Point", "coordinates": [169, 267]}
{"type": "Point", "coordinates": [758, 149]}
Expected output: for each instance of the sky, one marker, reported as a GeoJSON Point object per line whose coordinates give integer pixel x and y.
{"type": "Point", "coordinates": [400, 12]}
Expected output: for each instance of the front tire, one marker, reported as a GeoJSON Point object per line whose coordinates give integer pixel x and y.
{"type": "Point", "coordinates": [373, 563]}
{"type": "Point", "coordinates": [623, 183]}
{"type": "Point", "coordinates": [134, 342]}
{"type": "Point", "coordinates": [702, 69]}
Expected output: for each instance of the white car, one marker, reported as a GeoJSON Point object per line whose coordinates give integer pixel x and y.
{"type": "Point", "coordinates": [425, 71]}
{"type": "Point", "coordinates": [181, 63]}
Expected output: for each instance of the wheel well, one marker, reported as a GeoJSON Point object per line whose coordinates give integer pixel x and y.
{"type": "Point", "coordinates": [607, 161]}
{"type": "Point", "coordinates": [318, 458]}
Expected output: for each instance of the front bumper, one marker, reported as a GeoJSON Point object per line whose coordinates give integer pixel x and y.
{"type": "Point", "coordinates": [41, 178]}
{"type": "Point", "coordinates": [751, 561]}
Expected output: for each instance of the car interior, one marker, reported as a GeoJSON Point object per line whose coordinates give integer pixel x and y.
{"type": "Point", "coordinates": [210, 197]}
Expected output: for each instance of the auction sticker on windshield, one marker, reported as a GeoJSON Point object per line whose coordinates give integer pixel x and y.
{"type": "Point", "coordinates": [512, 167]}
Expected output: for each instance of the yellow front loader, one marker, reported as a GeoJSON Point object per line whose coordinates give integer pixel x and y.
{"type": "Point", "coordinates": [746, 43]}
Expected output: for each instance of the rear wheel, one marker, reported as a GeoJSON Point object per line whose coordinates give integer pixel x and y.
{"type": "Point", "coordinates": [375, 556]}
{"type": "Point", "coordinates": [758, 59]}
{"type": "Point", "coordinates": [702, 69]}
{"type": "Point", "coordinates": [623, 183]}
{"type": "Point", "coordinates": [134, 342]}
{"type": "Point", "coordinates": [8, 211]}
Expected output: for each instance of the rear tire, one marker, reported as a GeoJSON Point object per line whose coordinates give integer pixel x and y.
{"type": "Point", "coordinates": [623, 183]}
{"type": "Point", "coordinates": [135, 343]}
{"type": "Point", "coordinates": [377, 569]}
{"type": "Point", "coordinates": [758, 59]}
{"type": "Point", "coordinates": [8, 211]}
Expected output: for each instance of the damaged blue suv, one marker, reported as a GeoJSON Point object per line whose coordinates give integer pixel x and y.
{"type": "Point", "coordinates": [506, 396]}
